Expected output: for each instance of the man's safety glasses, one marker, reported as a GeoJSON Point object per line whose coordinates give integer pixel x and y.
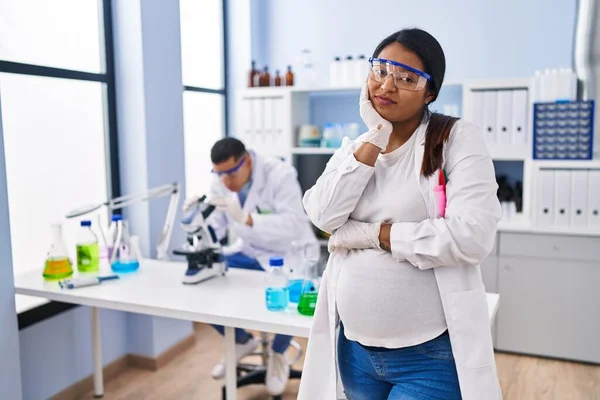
{"type": "Point", "coordinates": [230, 171]}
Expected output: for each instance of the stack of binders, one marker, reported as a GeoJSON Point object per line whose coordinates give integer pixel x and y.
{"type": "Point", "coordinates": [569, 198]}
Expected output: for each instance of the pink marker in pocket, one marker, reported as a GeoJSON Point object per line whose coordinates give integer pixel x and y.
{"type": "Point", "coordinates": [440, 195]}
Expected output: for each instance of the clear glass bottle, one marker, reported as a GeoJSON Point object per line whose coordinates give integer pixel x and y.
{"type": "Point", "coordinates": [57, 265]}
{"type": "Point", "coordinates": [88, 254]}
{"type": "Point", "coordinates": [276, 292]}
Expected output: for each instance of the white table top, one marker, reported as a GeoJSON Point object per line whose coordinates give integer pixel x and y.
{"type": "Point", "coordinates": [156, 289]}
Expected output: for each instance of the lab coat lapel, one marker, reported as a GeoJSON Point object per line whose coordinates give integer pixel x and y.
{"type": "Point", "coordinates": [425, 184]}
{"type": "Point", "coordinates": [258, 184]}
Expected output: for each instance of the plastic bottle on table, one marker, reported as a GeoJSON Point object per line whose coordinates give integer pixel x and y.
{"type": "Point", "coordinates": [111, 237]}
{"type": "Point", "coordinates": [88, 254]}
{"type": "Point", "coordinates": [276, 292]}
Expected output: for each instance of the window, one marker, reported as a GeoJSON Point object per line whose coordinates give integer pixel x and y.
{"type": "Point", "coordinates": [59, 118]}
{"type": "Point", "coordinates": [203, 59]}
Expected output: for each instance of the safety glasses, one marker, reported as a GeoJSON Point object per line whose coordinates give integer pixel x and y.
{"type": "Point", "coordinates": [230, 171]}
{"type": "Point", "coordinates": [405, 77]}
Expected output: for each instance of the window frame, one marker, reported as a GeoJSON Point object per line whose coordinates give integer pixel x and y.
{"type": "Point", "coordinates": [224, 90]}
{"type": "Point", "coordinates": [52, 308]}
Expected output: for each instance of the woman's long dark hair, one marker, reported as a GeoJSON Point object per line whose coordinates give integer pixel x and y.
{"type": "Point", "coordinates": [428, 49]}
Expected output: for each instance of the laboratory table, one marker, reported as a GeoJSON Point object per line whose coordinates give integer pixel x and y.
{"type": "Point", "coordinates": [235, 301]}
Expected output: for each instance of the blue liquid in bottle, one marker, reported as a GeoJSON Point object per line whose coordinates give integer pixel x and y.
{"type": "Point", "coordinates": [276, 290]}
{"type": "Point", "coordinates": [276, 298]}
{"type": "Point", "coordinates": [295, 287]}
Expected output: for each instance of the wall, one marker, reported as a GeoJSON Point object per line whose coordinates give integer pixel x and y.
{"type": "Point", "coordinates": [150, 119]}
{"type": "Point", "coordinates": [239, 50]}
{"type": "Point", "coordinates": [481, 39]}
{"type": "Point", "coordinates": [10, 371]}
{"type": "Point", "coordinates": [56, 353]}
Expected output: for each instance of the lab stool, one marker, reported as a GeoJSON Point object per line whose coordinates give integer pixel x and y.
{"type": "Point", "coordinates": [256, 374]}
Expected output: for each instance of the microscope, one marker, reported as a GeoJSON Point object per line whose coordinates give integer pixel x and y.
{"type": "Point", "coordinates": [202, 249]}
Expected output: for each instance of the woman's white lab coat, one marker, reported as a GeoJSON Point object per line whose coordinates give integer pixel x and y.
{"type": "Point", "coordinates": [453, 246]}
{"type": "Point", "coordinates": [279, 224]}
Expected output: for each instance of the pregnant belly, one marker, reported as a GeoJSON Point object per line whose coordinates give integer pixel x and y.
{"type": "Point", "coordinates": [379, 298]}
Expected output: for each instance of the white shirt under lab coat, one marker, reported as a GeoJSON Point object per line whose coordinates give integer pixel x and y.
{"type": "Point", "coordinates": [280, 225]}
{"type": "Point", "coordinates": [453, 246]}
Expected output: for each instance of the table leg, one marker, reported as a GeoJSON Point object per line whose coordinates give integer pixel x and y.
{"type": "Point", "coordinates": [97, 354]}
{"type": "Point", "coordinates": [230, 364]}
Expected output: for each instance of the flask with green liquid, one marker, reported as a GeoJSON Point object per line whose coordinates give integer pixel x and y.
{"type": "Point", "coordinates": [310, 291]}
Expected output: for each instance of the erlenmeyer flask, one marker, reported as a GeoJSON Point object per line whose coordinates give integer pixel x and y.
{"type": "Point", "coordinates": [124, 257]}
{"type": "Point", "coordinates": [58, 265]}
{"type": "Point", "coordinates": [310, 291]}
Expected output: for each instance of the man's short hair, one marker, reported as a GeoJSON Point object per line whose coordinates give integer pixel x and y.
{"type": "Point", "coordinates": [226, 148]}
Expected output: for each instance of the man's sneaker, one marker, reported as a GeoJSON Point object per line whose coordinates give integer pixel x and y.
{"type": "Point", "coordinates": [278, 373]}
{"type": "Point", "coordinates": [241, 350]}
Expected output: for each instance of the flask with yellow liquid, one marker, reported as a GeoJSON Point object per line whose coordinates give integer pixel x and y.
{"type": "Point", "coordinates": [58, 265]}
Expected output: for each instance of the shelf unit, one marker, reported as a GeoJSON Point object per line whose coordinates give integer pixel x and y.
{"type": "Point", "coordinates": [270, 118]}
{"type": "Point", "coordinates": [313, 150]}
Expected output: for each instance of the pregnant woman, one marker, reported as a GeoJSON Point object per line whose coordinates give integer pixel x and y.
{"type": "Point", "coordinates": [413, 210]}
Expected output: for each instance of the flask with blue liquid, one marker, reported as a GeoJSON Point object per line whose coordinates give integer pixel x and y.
{"type": "Point", "coordinates": [276, 293]}
{"type": "Point", "coordinates": [124, 257]}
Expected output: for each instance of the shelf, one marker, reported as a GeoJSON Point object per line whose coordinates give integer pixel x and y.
{"type": "Point", "coordinates": [492, 84]}
{"type": "Point", "coordinates": [333, 90]}
{"type": "Point", "coordinates": [527, 227]}
{"type": "Point", "coordinates": [509, 152]}
{"type": "Point", "coordinates": [313, 150]}
{"type": "Point", "coordinates": [569, 164]}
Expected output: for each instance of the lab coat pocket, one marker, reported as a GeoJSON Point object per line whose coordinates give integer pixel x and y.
{"type": "Point", "coordinates": [469, 328]}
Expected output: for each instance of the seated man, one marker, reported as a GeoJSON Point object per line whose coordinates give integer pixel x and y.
{"type": "Point", "coordinates": [260, 200]}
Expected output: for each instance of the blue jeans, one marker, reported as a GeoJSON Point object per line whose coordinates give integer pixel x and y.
{"type": "Point", "coordinates": [424, 371]}
{"type": "Point", "coordinates": [280, 342]}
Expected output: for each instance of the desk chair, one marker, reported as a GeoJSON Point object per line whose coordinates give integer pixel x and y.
{"type": "Point", "coordinates": [255, 374]}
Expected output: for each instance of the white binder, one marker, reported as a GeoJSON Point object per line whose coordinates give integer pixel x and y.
{"type": "Point", "coordinates": [562, 197]}
{"type": "Point", "coordinates": [579, 198]}
{"type": "Point", "coordinates": [520, 110]}
{"type": "Point", "coordinates": [490, 102]}
{"type": "Point", "coordinates": [503, 117]}
{"type": "Point", "coordinates": [545, 210]}
{"type": "Point", "coordinates": [476, 110]}
{"type": "Point", "coordinates": [594, 199]}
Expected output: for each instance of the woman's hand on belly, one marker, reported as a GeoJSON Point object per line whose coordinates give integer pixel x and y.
{"type": "Point", "coordinates": [356, 235]}
{"type": "Point", "coordinates": [384, 237]}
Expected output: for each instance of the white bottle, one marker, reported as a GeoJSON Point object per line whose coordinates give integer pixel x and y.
{"type": "Point", "coordinates": [555, 84]}
{"type": "Point", "coordinates": [361, 71]}
{"type": "Point", "coordinates": [335, 70]}
{"type": "Point", "coordinates": [545, 87]}
{"type": "Point", "coordinates": [347, 72]}
{"type": "Point", "coordinates": [537, 86]}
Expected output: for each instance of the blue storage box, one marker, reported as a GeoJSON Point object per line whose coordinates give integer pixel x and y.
{"type": "Point", "coordinates": [563, 130]}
